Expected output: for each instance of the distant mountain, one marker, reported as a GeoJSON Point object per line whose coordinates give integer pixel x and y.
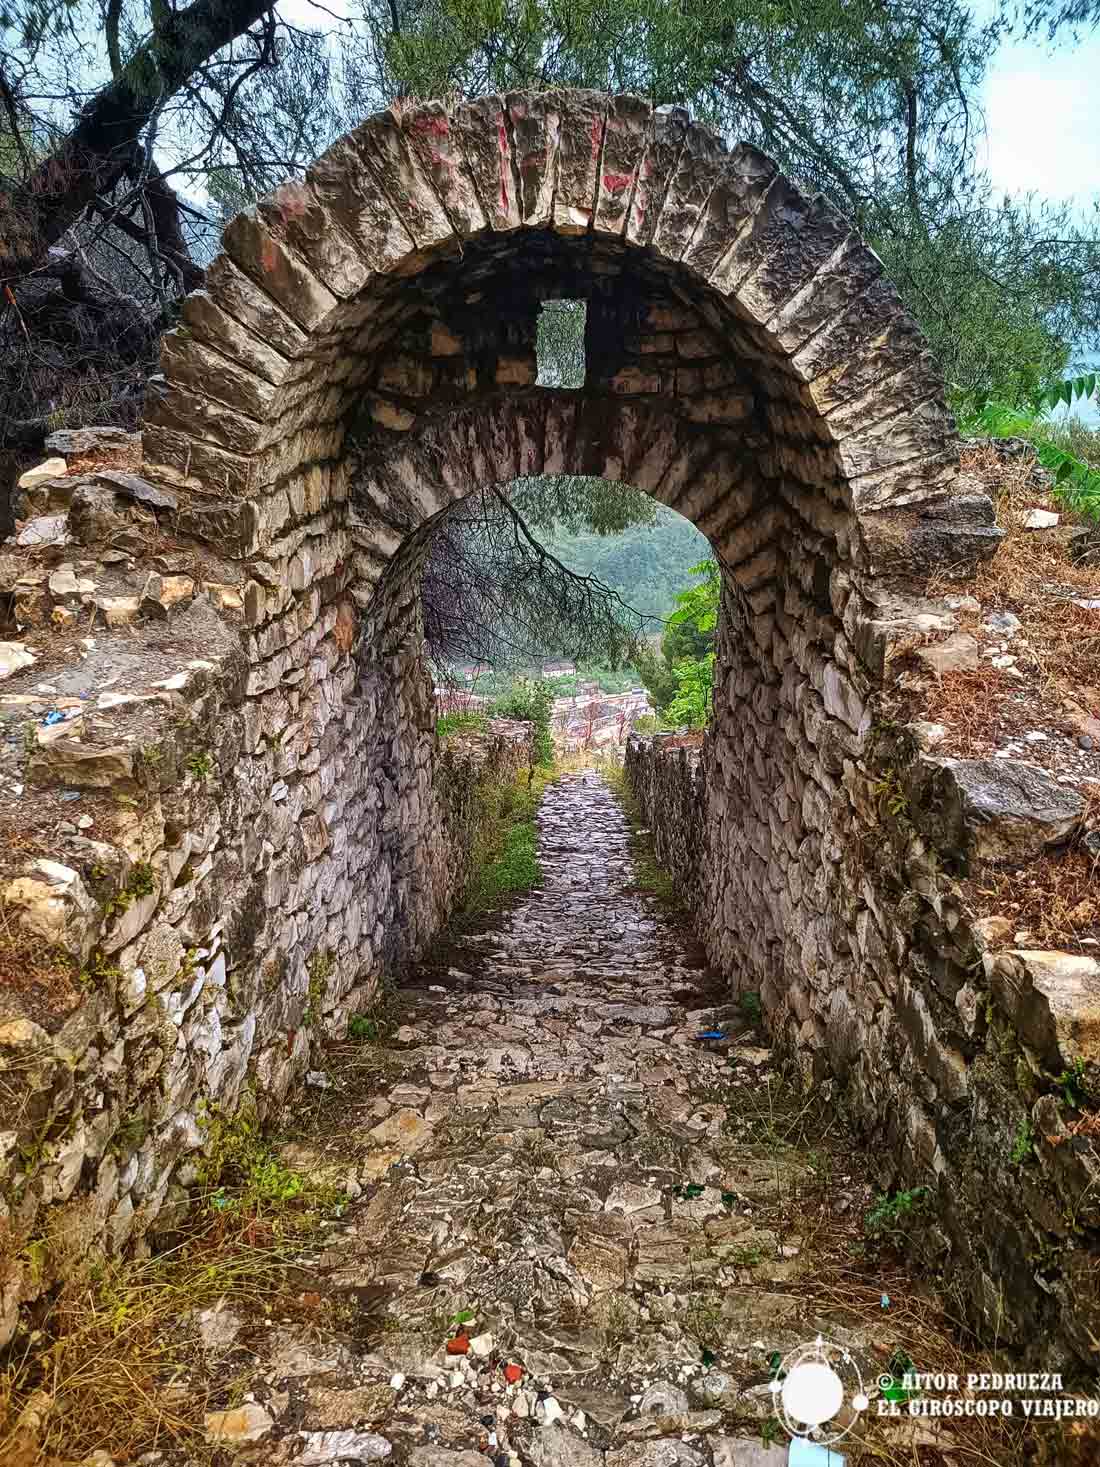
{"type": "Point", "coordinates": [646, 565]}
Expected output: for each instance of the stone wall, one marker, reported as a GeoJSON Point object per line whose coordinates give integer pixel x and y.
{"type": "Point", "coordinates": [211, 860]}
{"type": "Point", "coordinates": [829, 880]}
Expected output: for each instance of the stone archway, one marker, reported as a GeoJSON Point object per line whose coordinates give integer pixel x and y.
{"type": "Point", "coordinates": [364, 355]}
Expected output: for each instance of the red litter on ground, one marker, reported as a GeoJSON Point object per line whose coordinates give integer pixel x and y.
{"type": "Point", "coordinates": [460, 1345]}
{"type": "Point", "coordinates": [513, 1374]}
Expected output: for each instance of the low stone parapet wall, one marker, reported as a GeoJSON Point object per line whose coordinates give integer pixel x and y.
{"type": "Point", "coordinates": [666, 777]}
{"type": "Point", "coordinates": [969, 1064]}
{"type": "Point", "coordinates": [206, 866]}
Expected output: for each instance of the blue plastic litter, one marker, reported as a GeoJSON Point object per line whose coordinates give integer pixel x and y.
{"type": "Point", "coordinates": [711, 1034]}
{"type": "Point", "coordinates": [885, 1301]}
{"type": "Point", "coordinates": [809, 1454]}
{"type": "Point", "coordinates": [55, 717]}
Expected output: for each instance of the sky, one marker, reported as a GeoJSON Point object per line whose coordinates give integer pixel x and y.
{"type": "Point", "coordinates": [1042, 113]}
{"type": "Point", "coordinates": [1042, 108]}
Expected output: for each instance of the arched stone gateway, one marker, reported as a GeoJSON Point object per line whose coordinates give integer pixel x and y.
{"type": "Point", "coordinates": [362, 357]}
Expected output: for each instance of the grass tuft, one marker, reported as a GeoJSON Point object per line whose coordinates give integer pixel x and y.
{"type": "Point", "coordinates": [505, 860]}
{"type": "Point", "coordinates": [458, 723]}
{"type": "Point", "coordinates": [112, 1350]}
{"type": "Point", "coordinates": [650, 877]}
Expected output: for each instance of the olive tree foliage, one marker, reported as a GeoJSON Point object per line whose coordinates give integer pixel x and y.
{"type": "Point", "coordinates": [129, 130]}
{"type": "Point", "coordinates": [866, 100]}
{"type": "Point", "coordinates": [118, 120]}
{"type": "Point", "coordinates": [1006, 290]}
{"type": "Point", "coordinates": [492, 592]}
{"type": "Point", "coordinates": [560, 344]}
{"type": "Point", "coordinates": [1058, 17]}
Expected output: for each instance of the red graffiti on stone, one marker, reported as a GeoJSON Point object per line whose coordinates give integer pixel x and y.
{"type": "Point", "coordinates": [502, 139]}
{"type": "Point", "coordinates": [614, 183]}
{"type": "Point", "coordinates": [293, 202]}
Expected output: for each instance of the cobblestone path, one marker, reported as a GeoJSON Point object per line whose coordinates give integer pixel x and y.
{"type": "Point", "coordinates": [555, 1183]}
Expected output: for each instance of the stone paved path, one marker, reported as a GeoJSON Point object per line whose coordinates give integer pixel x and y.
{"type": "Point", "coordinates": [557, 1162]}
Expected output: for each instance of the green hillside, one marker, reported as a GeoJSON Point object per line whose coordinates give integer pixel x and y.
{"type": "Point", "coordinates": [646, 564]}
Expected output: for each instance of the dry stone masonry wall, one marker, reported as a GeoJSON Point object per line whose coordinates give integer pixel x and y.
{"type": "Point", "coordinates": [363, 355]}
{"type": "Point", "coordinates": [825, 880]}
{"type": "Point", "coordinates": [212, 863]}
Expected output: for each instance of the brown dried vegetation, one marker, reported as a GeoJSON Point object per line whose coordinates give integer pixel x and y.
{"type": "Point", "coordinates": [1058, 643]}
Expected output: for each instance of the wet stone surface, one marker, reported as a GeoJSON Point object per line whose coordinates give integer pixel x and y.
{"type": "Point", "coordinates": [555, 1169]}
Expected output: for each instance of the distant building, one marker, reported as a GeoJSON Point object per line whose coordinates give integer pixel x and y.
{"type": "Point", "coordinates": [559, 669]}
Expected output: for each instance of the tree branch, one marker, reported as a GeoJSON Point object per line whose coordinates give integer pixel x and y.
{"type": "Point", "coordinates": [7, 95]}
{"type": "Point", "coordinates": [114, 15]}
{"type": "Point", "coordinates": [96, 153]}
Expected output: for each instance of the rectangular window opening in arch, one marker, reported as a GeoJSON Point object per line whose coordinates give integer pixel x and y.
{"type": "Point", "coordinates": [559, 344]}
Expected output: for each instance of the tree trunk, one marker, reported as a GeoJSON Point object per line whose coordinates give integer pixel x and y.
{"type": "Point", "coordinates": [100, 148]}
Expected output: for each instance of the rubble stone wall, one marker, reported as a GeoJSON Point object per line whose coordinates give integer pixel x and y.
{"type": "Point", "coordinates": [257, 857]}
{"type": "Point", "coordinates": [363, 356]}
{"type": "Point", "coordinates": [830, 890]}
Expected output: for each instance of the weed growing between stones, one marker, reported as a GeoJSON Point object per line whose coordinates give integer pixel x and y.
{"type": "Point", "coordinates": [650, 877]}
{"type": "Point", "coordinates": [103, 1362]}
{"type": "Point", "coordinates": [244, 1183]}
{"type": "Point", "coordinates": [111, 1344]}
{"type": "Point", "coordinates": [505, 861]}
{"type": "Point", "coordinates": [200, 765]}
{"type": "Point", "coordinates": [319, 969]}
{"type": "Point", "coordinates": [840, 1250]}
{"type": "Point", "coordinates": [751, 1008]}
{"type": "Point", "coordinates": [43, 973]}
{"type": "Point", "coordinates": [380, 1021]}
{"type": "Point", "coordinates": [894, 1215]}
{"type": "Point", "coordinates": [1024, 1141]}
{"type": "Point", "coordinates": [703, 1321]}
{"type": "Point", "coordinates": [357, 1066]}
{"type": "Point", "coordinates": [364, 1028]}
{"type": "Point", "coordinates": [141, 883]}
{"type": "Point", "coordinates": [459, 723]}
